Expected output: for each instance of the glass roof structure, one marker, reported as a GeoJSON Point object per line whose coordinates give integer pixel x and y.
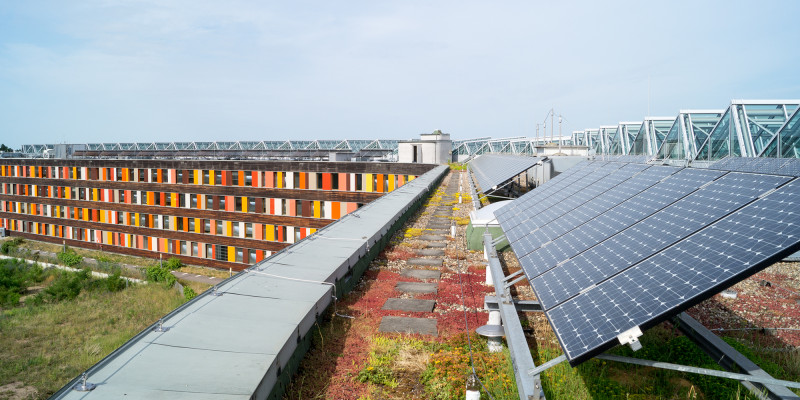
{"type": "Point", "coordinates": [786, 143]}
{"type": "Point", "coordinates": [650, 136]}
{"type": "Point", "coordinates": [623, 137]}
{"type": "Point", "coordinates": [604, 135]}
{"type": "Point", "coordinates": [746, 128]}
{"type": "Point", "coordinates": [267, 145]}
{"type": "Point", "coordinates": [687, 133]}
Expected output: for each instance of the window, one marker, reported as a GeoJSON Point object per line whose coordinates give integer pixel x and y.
{"type": "Point", "coordinates": [219, 228]}
{"type": "Point", "coordinates": [221, 203]}
{"type": "Point", "coordinates": [165, 222]}
{"type": "Point", "coordinates": [218, 177]}
{"type": "Point", "coordinates": [209, 202]}
{"type": "Point", "coordinates": [195, 249]}
{"type": "Point", "coordinates": [193, 201]}
{"type": "Point", "coordinates": [239, 254]}
{"type": "Point", "coordinates": [191, 224]}
{"type": "Point", "coordinates": [251, 204]}
{"type": "Point", "coordinates": [236, 230]}
{"type": "Point", "coordinates": [252, 258]}
{"type": "Point", "coordinates": [235, 178]}
{"type": "Point", "coordinates": [248, 178]}
{"type": "Point", "coordinates": [206, 226]}
{"type": "Point", "coordinates": [205, 177]}
{"type": "Point", "coordinates": [209, 250]}
{"type": "Point", "coordinates": [238, 201]}
{"type": "Point", "coordinates": [221, 253]}
{"type": "Point", "coordinates": [248, 230]}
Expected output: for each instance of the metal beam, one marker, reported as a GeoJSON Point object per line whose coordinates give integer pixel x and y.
{"type": "Point", "coordinates": [730, 359]}
{"type": "Point", "coordinates": [528, 387]}
{"type": "Point", "coordinates": [697, 370]}
{"type": "Point", "coordinates": [491, 304]}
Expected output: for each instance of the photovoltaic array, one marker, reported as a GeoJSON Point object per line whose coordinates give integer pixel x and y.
{"type": "Point", "coordinates": [493, 170]}
{"type": "Point", "coordinates": [608, 246]}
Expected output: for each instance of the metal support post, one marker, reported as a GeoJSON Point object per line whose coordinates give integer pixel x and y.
{"type": "Point", "coordinates": [529, 387]}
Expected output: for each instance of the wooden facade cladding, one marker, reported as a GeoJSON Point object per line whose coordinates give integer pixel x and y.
{"type": "Point", "coordinates": [207, 212]}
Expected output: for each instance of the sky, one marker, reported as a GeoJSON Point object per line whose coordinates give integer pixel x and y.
{"type": "Point", "coordinates": [191, 70]}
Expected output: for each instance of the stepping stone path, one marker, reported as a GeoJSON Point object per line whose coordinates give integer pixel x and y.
{"type": "Point", "coordinates": [436, 241]}
{"type": "Point", "coordinates": [409, 305]}
{"type": "Point", "coordinates": [432, 262]}
{"type": "Point", "coordinates": [431, 252]}
{"type": "Point", "coordinates": [417, 287]}
{"type": "Point", "coordinates": [433, 237]}
{"type": "Point", "coordinates": [422, 326]}
{"type": "Point", "coordinates": [421, 273]}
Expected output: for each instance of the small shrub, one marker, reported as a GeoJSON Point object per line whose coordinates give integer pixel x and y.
{"type": "Point", "coordinates": [10, 246]}
{"type": "Point", "coordinates": [115, 283]}
{"type": "Point", "coordinates": [174, 263]}
{"type": "Point", "coordinates": [157, 273]}
{"type": "Point", "coordinates": [189, 293]}
{"type": "Point", "coordinates": [69, 258]}
{"type": "Point", "coordinates": [67, 286]}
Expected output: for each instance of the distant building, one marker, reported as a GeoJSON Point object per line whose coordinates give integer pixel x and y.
{"type": "Point", "coordinates": [431, 148]}
{"type": "Point", "coordinates": [227, 214]}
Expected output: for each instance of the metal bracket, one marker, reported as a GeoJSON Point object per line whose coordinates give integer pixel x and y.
{"type": "Point", "coordinates": [544, 367]}
{"type": "Point", "coordinates": [511, 276]}
{"type": "Point", "coordinates": [498, 239]}
{"type": "Point", "coordinates": [491, 304]}
{"type": "Point", "coordinates": [509, 284]}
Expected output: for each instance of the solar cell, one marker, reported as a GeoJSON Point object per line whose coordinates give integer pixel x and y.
{"type": "Point", "coordinates": [611, 222]}
{"type": "Point", "coordinates": [651, 235]}
{"type": "Point", "coordinates": [682, 275]}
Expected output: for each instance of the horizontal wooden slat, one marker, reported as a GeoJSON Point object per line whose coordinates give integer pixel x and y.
{"type": "Point", "coordinates": [158, 233]}
{"type": "Point", "coordinates": [297, 194]}
{"type": "Point", "coordinates": [284, 220]}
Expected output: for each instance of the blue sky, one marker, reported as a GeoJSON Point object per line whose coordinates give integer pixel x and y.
{"type": "Point", "coordinates": [125, 70]}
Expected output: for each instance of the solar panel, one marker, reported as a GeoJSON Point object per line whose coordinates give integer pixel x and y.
{"type": "Point", "coordinates": [491, 170]}
{"type": "Point", "coordinates": [651, 235]}
{"type": "Point", "coordinates": [567, 200]}
{"type": "Point", "coordinates": [509, 216]}
{"type": "Point", "coordinates": [750, 164]}
{"type": "Point", "coordinates": [599, 205]}
{"type": "Point", "coordinates": [555, 200]}
{"type": "Point", "coordinates": [791, 168]}
{"type": "Point", "coordinates": [611, 222]}
{"type": "Point", "coordinates": [560, 181]}
{"type": "Point", "coordinates": [680, 276]}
